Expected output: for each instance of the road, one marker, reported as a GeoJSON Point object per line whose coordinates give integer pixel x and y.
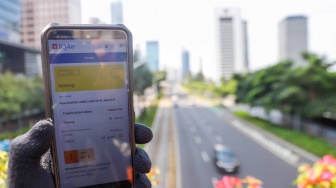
{"type": "Point", "coordinates": [182, 147]}
{"type": "Point", "coordinates": [200, 127]}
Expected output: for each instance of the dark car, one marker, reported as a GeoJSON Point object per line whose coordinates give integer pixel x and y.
{"type": "Point", "coordinates": [225, 159]}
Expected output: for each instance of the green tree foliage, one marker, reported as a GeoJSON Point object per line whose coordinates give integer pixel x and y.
{"type": "Point", "coordinates": [227, 87]}
{"type": "Point", "coordinates": [142, 79]}
{"type": "Point", "coordinates": [158, 77]}
{"type": "Point", "coordinates": [198, 84]}
{"type": "Point", "coordinates": [199, 77]}
{"type": "Point", "coordinates": [308, 90]}
{"type": "Point", "coordinates": [19, 94]}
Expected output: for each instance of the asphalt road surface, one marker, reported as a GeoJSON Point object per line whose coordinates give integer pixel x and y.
{"type": "Point", "coordinates": [199, 127]}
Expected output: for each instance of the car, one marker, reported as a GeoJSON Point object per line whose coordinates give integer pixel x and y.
{"type": "Point", "coordinates": [225, 160]}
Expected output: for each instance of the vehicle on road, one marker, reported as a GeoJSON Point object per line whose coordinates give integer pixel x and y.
{"type": "Point", "coordinates": [225, 160]}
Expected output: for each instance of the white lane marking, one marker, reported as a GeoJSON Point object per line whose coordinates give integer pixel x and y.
{"type": "Point", "coordinates": [198, 139]}
{"type": "Point", "coordinates": [205, 156]}
{"type": "Point", "coordinates": [218, 138]}
{"type": "Point", "coordinates": [214, 180]}
{"type": "Point", "coordinates": [192, 129]}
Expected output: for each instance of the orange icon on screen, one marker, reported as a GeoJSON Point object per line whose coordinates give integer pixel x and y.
{"type": "Point", "coordinates": [71, 157]}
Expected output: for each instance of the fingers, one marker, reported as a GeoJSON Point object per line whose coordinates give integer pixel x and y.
{"type": "Point", "coordinates": [46, 161]}
{"type": "Point", "coordinates": [36, 142]}
{"type": "Point", "coordinates": [141, 161]}
{"type": "Point", "coordinates": [141, 181]}
{"type": "Point", "coordinates": [143, 134]}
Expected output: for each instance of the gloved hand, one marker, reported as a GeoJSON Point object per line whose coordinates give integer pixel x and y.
{"type": "Point", "coordinates": [30, 159]}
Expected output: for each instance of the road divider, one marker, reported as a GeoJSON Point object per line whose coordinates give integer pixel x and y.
{"type": "Point", "coordinates": [275, 148]}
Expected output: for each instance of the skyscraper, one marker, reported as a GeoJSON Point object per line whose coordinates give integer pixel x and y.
{"type": "Point", "coordinates": [36, 14]}
{"type": "Point", "coordinates": [95, 20]}
{"type": "Point", "coordinates": [10, 16]}
{"type": "Point", "coordinates": [116, 12]}
{"type": "Point", "coordinates": [231, 34]}
{"type": "Point", "coordinates": [152, 49]}
{"type": "Point", "coordinates": [185, 63]}
{"type": "Point", "coordinates": [293, 39]}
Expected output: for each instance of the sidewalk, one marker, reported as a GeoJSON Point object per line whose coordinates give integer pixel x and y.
{"type": "Point", "coordinates": [161, 149]}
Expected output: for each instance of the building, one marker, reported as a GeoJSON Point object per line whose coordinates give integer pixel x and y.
{"type": "Point", "coordinates": [36, 14]}
{"type": "Point", "coordinates": [293, 39]}
{"type": "Point", "coordinates": [152, 49]}
{"type": "Point", "coordinates": [95, 20]}
{"type": "Point", "coordinates": [185, 63]}
{"type": "Point", "coordinates": [231, 37]}
{"type": "Point", "coordinates": [116, 12]}
{"type": "Point", "coordinates": [245, 45]}
{"type": "Point", "coordinates": [19, 59]}
{"type": "Point", "coordinates": [10, 17]}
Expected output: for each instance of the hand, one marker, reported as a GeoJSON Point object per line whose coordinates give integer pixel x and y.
{"type": "Point", "coordinates": [30, 160]}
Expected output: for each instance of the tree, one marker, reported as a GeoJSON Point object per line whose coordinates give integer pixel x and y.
{"type": "Point", "coordinates": [142, 79]}
{"type": "Point", "coordinates": [158, 77]}
{"type": "Point", "coordinates": [19, 94]}
{"type": "Point", "coordinates": [318, 84]}
{"type": "Point", "coordinates": [307, 91]}
{"type": "Point", "coordinates": [199, 77]}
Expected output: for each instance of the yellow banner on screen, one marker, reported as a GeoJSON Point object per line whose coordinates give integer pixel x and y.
{"type": "Point", "coordinates": [91, 77]}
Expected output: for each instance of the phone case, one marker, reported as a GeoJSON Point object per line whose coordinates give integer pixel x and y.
{"type": "Point", "coordinates": [46, 77]}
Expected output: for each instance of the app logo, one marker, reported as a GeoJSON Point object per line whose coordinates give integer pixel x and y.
{"type": "Point", "coordinates": [54, 46]}
{"type": "Point", "coordinates": [65, 46]}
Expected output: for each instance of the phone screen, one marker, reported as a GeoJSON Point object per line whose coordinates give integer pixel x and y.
{"type": "Point", "coordinates": [89, 90]}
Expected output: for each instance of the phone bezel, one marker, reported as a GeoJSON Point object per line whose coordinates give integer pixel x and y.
{"type": "Point", "coordinates": [47, 85]}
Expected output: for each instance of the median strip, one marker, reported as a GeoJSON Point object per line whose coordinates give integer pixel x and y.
{"type": "Point", "coordinates": [172, 160]}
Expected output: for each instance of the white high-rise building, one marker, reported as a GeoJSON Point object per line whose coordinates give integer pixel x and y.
{"type": "Point", "coordinates": [36, 14]}
{"type": "Point", "coordinates": [293, 39]}
{"type": "Point", "coordinates": [231, 42]}
{"type": "Point", "coordinates": [116, 12]}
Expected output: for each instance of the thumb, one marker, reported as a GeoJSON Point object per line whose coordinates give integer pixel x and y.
{"type": "Point", "coordinates": [33, 144]}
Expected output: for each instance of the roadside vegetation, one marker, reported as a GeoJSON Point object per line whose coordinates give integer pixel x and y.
{"type": "Point", "coordinates": [306, 92]}
{"type": "Point", "coordinates": [20, 94]}
{"type": "Point", "coordinates": [12, 135]}
{"type": "Point", "coordinates": [312, 144]}
{"type": "Point", "coordinates": [148, 115]}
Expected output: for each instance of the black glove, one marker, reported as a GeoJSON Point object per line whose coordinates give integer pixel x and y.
{"type": "Point", "coordinates": [30, 160]}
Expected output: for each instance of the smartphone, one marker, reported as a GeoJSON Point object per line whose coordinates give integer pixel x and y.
{"type": "Point", "coordinates": [88, 80]}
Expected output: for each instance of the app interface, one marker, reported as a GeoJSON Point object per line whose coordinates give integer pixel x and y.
{"type": "Point", "coordinates": [90, 108]}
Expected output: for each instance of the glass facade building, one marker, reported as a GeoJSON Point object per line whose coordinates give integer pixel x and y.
{"type": "Point", "coordinates": [185, 63]}
{"type": "Point", "coordinates": [116, 13]}
{"type": "Point", "coordinates": [10, 16]}
{"type": "Point", "coordinates": [153, 55]}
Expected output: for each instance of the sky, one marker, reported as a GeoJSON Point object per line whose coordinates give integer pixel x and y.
{"type": "Point", "coordinates": [190, 24]}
